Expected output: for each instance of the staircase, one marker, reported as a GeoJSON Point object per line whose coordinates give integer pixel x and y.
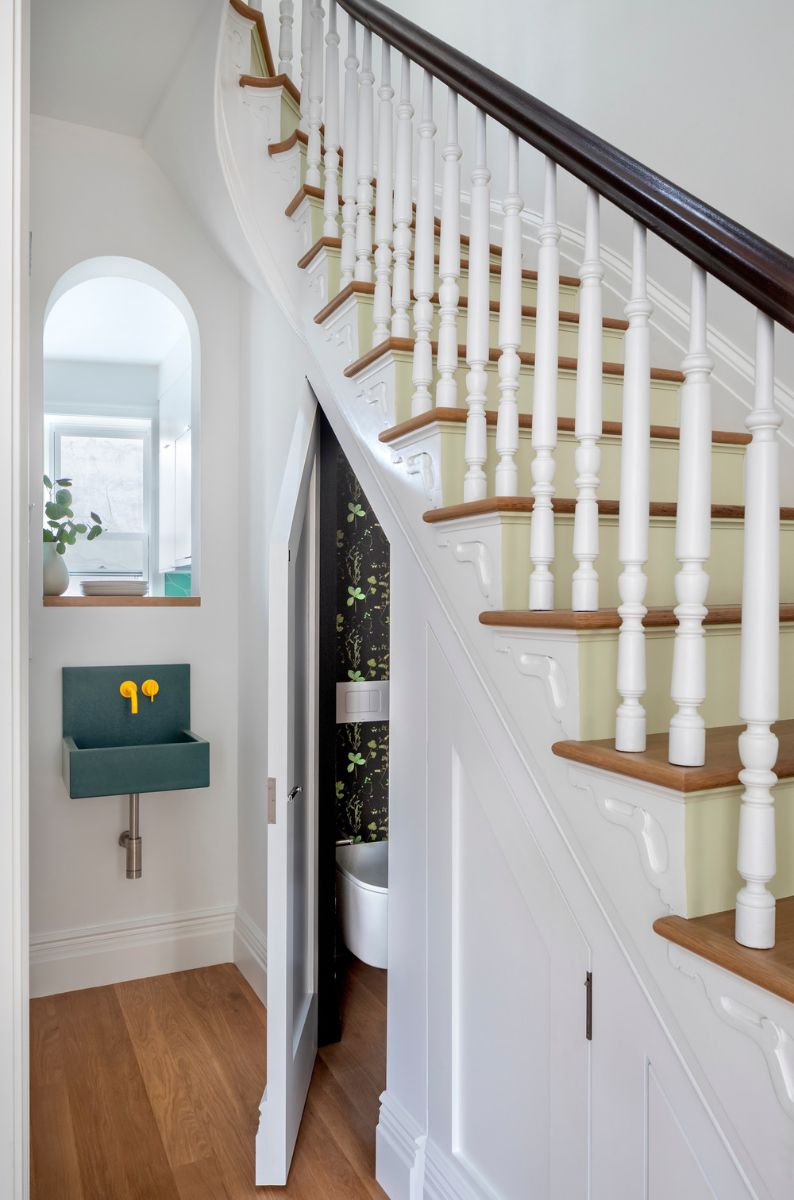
{"type": "Point", "coordinates": [590, 530]}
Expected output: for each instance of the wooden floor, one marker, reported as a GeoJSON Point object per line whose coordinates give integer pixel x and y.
{"type": "Point", "coordinates": [150, 1091]}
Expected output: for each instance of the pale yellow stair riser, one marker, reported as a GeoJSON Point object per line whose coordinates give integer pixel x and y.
{"type": "Point", "coordinates": [508, 534]}
{"type": "Point", "coordinates": [664, 393]}
{"type": "Point", "coordinates": [727, 464]}
{"type": "Point", "coordinates": [712, 835]}
{"type": "Point", "coordinates": [611, 342]}
{"type": "Point", "coordinates": [328, 259]}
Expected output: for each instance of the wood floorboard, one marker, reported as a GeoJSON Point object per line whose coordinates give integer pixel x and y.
{"type": "Point", "coordinates": [150, 1090]}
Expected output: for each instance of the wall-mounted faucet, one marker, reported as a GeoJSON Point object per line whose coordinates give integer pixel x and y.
{"type": "Point", "coordinates": [150, 688]}
{"type": "Point", "coordinates": [129, 691]}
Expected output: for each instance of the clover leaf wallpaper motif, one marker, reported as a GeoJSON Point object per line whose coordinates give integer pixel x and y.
{"type": "Point", "coordinates": [362, 652]}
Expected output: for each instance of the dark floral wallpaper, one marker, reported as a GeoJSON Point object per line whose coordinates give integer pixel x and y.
{"type": "Point", "coordinates": [362, 652]}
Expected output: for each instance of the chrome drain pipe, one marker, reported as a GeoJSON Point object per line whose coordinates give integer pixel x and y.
{"type": "Point", "coordinates": [130, 839]}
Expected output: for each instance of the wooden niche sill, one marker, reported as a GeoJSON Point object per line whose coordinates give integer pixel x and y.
{"type": "Point", "coordinates": [121, 601]}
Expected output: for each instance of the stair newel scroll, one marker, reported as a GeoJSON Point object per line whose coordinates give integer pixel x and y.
{"type": "Point", "coordinates": [449, 261]}
{"type": "Point", "coordinates": [306, 43]}
{"type": "Point", "coordinates": [347, 262]}
{"type": "Point", "coordinates": [544, 405]}
{"type": "Point", "coordinates": [401, 274]}
{"type": "Point", "coordinates": [286, 18]}
{"type": "Point", "coordinates": [314, 148]}
{"type": "Point", "coordinates": [588, 426]}
{"type": "Point", "coordinates": [477, 318]}
{"type": "Point", "coordinates": [422, 400]}
{"type": "Point", "coordinates": [363, 271]}
{"type": "Point", "coordinates": [635, 464]}
{"type": "Point", "coordinates": [509, 330]}
{"type": "Point", "coordinates": [383, 205]}
{"type": "Point", "coordinates": [687, 743]}
{"type": "Point", "coordinates": [331, 160]}
{"type": "Point", "coordinates": [759, 671]}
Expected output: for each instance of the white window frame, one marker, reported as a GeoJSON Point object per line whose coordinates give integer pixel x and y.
{"type": "Point", "coordinates": [65, 425]}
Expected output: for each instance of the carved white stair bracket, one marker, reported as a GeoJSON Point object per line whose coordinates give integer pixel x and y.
{"type": "Point", "coordinates": [543, 667]}
{"type": "Point", "coordinates": [775, 1042]}
{"type": "Point", "coordinates": [478, 554]}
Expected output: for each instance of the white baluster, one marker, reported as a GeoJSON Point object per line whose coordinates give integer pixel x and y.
{"type": "Point", "coordinates": [306, 42]}
{"type": "Point", "coordinates": [544, 404]}
{"type": "Point", "coordinates": [363, 270]}
{"type": "Point", "coordinates": [449, 262]}
{"type": "Point", "coordinates": [422, 400]}
{"type": "Point", "coordinates": [331, 160]}
{"type": "Point", "coordinates": [383, 208]}
{"type": "Point", "coordinates": [286, 20]}
{"type": "Point", "coordinates": [589, 373]}
{"type": "Point", "coordinates": [478, 318]}
{"type": "Point", "coordinates": [635, 466]}
{"type": "Point", "coordinates": [401, 275]}
{"type": "Point", "coordinates": [349, 163]}
{"type": "Point", "coordinates": [314, 149]}
{"type": "Point", "coordinates": [687, 744]}
{"type": "Point", "coordinates": [509, 329]}
{"type": "Point", "coordinates": [758, 681]}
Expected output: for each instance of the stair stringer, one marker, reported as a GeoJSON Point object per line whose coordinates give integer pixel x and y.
{"type": "Point", "coordinates": [638, 989]}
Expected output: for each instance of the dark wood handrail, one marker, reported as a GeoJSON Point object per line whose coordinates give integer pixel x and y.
{"type": "Point", "coordinates": [751, 266]}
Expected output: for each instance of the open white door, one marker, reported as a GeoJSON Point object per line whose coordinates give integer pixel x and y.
{"type": "Point", "coordinates": [292, 810]}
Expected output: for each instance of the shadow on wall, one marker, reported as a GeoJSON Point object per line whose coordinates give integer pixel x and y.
{"type": "Point", "coordinates": [362, 652]}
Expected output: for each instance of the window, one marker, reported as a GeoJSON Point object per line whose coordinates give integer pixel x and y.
{"type": "Point", "coordinates": [109, 461]}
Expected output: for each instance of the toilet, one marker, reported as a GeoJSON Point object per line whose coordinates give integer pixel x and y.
{"type": "Point", "coordinates": [362, 877]}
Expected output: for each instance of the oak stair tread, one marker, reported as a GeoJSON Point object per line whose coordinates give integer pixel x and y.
{"type": "Point", "coordinates": [609, 618]}
{"type": "Point", "coordinates": [494, 268]}
{"type": "Point", "coordinates": [271, 81]}
{"type": "Point", "coordinates": [721, 768]}
{"type": "Point", "coordinates": [564, 424]}
{"type": "Point", "coordinates": [495, 505]}
{"type": "Point", "coordinates": [297, 135]}
{"type": "Point", "coordinates": [527, 359]}
{"type": "Point", "coordinates": [712, 937]}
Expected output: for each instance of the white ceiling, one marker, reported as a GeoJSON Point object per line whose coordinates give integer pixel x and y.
{"type": "Point", "coordinates": [106, 63]}
{"type": "Point", "coordinates": [112, 320]}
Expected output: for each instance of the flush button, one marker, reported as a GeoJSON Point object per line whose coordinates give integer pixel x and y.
{"type": "Point", "coordinates": [365, 701]}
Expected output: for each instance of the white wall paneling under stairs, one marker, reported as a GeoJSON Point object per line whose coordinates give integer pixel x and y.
{"type": "Point", "coordinates": [586, 613]}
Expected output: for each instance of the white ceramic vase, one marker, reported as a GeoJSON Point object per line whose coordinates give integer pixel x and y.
{"type": "Point", "coordinates": [56, 574]}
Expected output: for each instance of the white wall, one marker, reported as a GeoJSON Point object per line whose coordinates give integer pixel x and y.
{"type": "Point", "coordinates": [96, 193]}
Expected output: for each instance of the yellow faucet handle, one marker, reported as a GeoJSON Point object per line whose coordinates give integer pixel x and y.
{"type": "Point", "coordinates": [150, 688]}
{"type": "Point", "coordinates": [129, 691]}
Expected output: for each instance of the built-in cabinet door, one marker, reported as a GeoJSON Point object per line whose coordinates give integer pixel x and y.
{"type": "Point", "coordinates": [292, 810]}
{"type": "Point", "coordinates": [508, 1071]}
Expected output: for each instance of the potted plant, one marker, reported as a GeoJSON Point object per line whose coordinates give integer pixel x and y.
{"type": "Point", "coordinates": [61, 531]}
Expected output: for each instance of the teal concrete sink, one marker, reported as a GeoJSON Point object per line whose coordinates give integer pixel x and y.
{"type": "Point", "coordinates": [107, 750]}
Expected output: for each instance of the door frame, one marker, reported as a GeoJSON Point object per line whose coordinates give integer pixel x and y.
{"type": "Point", "coordinates": [14, 221]}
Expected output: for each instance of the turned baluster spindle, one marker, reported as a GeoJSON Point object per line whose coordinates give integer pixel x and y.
{"type": "Point", "coordinates": [331, 159]}
{"type": "Point", "coordinates": [314, 148]}
{"type": "Point", "coordinates": [422, 400]}
{"type": "Point", "coordinates": [478, 318]}
{"type": "Point", "coordinates": [449, 261]}
{"type": "Point", "coordinates": [384, 204]}
{"type": "Point", "coordinates": [544, 404]}
{"type": "Point", "coordinates": [588, 424]}
{"type": "Point", "coordinates": [687, 743]}
{"type": "Point", "coordinates": [286, 20]}
{"type": "Point", "coordinates": [635, 465]}
{"type": "Point", "coordinates": [349, 161]}
{"type": "Point", "coordinates": [509, 329]}
{"type": "Point", "coordinates": [306, 42]}
{"type": "Point", "coordinates": [759, 678]}
{"type": "Point", "coordinates": [363, 271]}
{"type": "Point", "coordinates": [401, 274]}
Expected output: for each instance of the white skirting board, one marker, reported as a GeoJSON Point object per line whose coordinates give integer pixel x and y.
{"type": "Point", "coordinates": [96, 955]}
{"type": "Point", "coordinates": [399, 1151]}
